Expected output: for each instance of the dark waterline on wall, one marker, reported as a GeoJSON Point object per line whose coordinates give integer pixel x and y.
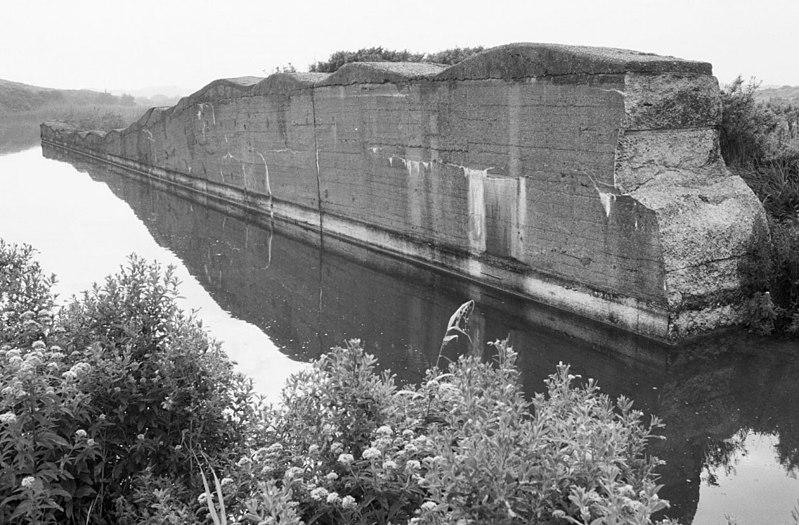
{"type": "Point", "coordinates": [723, 408]}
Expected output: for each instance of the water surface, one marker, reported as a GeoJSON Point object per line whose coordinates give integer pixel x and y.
{"type": "Point", "coordinates": [277, 298]}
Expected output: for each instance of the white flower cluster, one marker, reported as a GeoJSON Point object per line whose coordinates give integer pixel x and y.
{"type": "Point", "coordinates": [371, 453]}
{"type": "Point", "coordinates": [319, 493]}
{"type": "Point", "coordinates": [384, 431]}
{"type": "Point", "coordinates": [8, 418]}
{"type": "Point", "coordinates": [333, 498]}
{"type": "Point", "coordinates": [345, 459]}
{"type": "Point", "coordinates": [274, 448]}
{"type": "Point", "coordinates": [412, 465]}
{"type": "Point", "coordinates": [28, 482]}
{"type": "Point", "coordinates": [77, 371]}
{"type": "Point", "coordinates": [293, 472]}
{"type": "Point", "coordinates": [14, 389]}
{"type": "Point", "coordinates": [14, 362]}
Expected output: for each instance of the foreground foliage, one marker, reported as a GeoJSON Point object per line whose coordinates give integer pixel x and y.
{"type": "Point", "coordinates": [117, 385]}
{"type": "Point", "coordinates": [349, 446]}
{"type": "Point", "coordinates": [117, 408]}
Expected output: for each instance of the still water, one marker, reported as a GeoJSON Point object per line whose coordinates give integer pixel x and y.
{"type": "Point", "coordinates": [277, 299]}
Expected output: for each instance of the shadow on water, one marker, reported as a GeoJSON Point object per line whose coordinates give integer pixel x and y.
{"type": "Point", "coordinates": [308, 298]}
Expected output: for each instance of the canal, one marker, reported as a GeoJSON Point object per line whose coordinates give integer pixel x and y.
{"type": "Point", "coordinates": [278, 297]}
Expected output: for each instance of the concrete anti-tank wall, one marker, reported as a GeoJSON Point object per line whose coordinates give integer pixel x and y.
{"type": "Point", "coordinates": [586, 178]}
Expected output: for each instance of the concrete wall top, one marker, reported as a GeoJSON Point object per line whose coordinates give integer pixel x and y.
{"type": "Point", "coordinates": [511, 61]}
{"type": "Point", "coordinates": [287, 83]}
{"type": "Point", "coordinates": [523, 60]}
{"type": "Point", "coordinates": [587, 178]}
{"type": "Point", "coordinates": [381, 73]}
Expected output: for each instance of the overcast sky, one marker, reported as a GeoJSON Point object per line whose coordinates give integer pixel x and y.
{"type": "Point", "coordinates": [106, 44]}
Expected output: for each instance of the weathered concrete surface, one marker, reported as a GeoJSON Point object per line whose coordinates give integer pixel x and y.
{"type": "Point", "coordinates": [589, 179]}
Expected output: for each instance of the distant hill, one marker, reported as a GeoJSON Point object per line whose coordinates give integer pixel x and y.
{"type": "Point", "coordinates": [782, 93]}
{"type": "Point", "coordinates": [23, 107]}
{"type": "Point", "coordinates": [155, 95]}
{"type": "Point", "coordinates": [16, 97]}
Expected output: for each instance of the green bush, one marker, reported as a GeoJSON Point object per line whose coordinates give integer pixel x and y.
{"type": "Point", "coordinates": [755, 134]}
{"type": "Point", "coordinates": [348, 446]}
{"type": "Point", "coordinates": [760, 142]}
{"type": "Point", "coordinates": [774, 303]}
{"type": "Point", "coordinates": [378, 54]}
{"type": "Point", "coordinates": [115, 386]}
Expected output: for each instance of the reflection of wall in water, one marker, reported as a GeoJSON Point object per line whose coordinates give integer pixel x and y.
{"type": "Point", "coordinates": [305, 299]}
{"type": "Point", "coordinates": [274, 282]}
{"type": "Point", "coordinates": [731, 385]}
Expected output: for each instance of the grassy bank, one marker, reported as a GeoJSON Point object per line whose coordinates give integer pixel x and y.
{"type": "Point", "coordinates": [118, 408]}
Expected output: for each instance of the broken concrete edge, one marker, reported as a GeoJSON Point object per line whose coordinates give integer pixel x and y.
{"type": "Point", "coordinates": [530, 60]}
{"type": "Point", "coordinates": [671, 112]}
{"type": "Point", "coordinates": [619, 312]}
{"type": "Point", "coordinates": [507, 62]}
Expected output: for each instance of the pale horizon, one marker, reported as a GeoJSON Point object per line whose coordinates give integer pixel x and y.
{"type": "Point", "coordinates": [117, 46]}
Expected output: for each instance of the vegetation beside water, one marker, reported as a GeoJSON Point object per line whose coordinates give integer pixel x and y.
{"type": "Point", "coordinates": [118, 408]}
{"type": "Point", "coordinates": [84, 109]}
{"type": "Point", "coordinates": [760, 142]}
{"type": "Point", "coordinates": [103, 118]}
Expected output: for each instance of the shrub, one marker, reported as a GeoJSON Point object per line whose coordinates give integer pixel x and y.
{"type": "Point", "coordinates": [115, 386]}
{"type": "Point", "coordinates": [378, 54]}
{"type": "Point", "coordinates": [760, 141]}
{"type": "Point", "coordinates": [774, 303]}
{"type": "Point", "coordinates": [465, 446]}
{"type": "Point", "coordinates": [25, 299]}
{"type": "Point", "coordinates": [755, 134]}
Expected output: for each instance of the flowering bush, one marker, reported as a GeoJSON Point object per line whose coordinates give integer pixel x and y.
{"type": "Point", "coordinates": [117, 385]}
{"type": "Point", "coordinates": [348, 446]}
